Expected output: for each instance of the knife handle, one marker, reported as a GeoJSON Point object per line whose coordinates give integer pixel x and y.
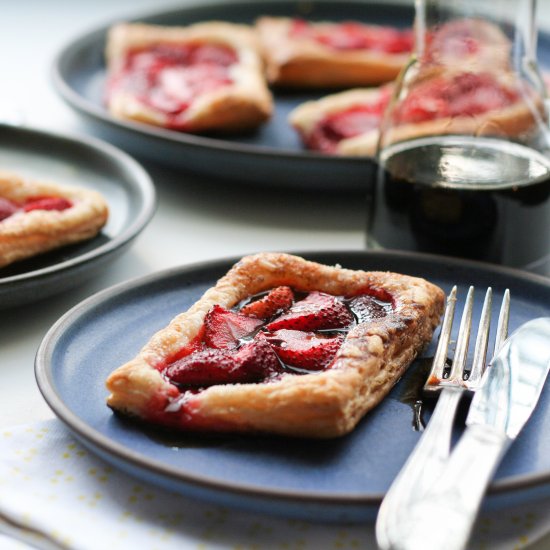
{"type": "Point", "coordinates": [443, 516]}
{"type": "Point", "coordinates": [421, 469]}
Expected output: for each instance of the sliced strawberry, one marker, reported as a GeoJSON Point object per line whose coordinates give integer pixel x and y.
{"type": "Point", "coordinates": [47, 203]}
{"type": "Point", "coordinates": [317, 311]}
{"type": "Point", "coordinates": [277, 301]}
{"type": "Point", "coordinates": [223, 328]}
{"type": "Point", "coordinates": [252, 362]}
{"type": "Point", "coordinates": [305, 350]}
{"type": "Point", "coordinates": [368, 308]}
{"type": "Point", "coordinates": [7, 208]}
{"type": "Point", "coordinates": [213, 54]}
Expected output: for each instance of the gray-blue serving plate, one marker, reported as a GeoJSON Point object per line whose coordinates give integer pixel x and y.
{"type": "Point", "coordinates": [87, 162]}
{"type": "Point", "coordinates": [329, 480]}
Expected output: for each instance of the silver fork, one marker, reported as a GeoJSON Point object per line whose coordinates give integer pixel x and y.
{"type": "Point", "coordinates": [432, 451]}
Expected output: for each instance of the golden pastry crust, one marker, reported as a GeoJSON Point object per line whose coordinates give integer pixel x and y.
{"type": "Point", "coordinates": [26, 234]}
{"type": "Point", "coordinates": [241, 105]}
{"type": "Point", "coordinates": [325, 404]}
{"type": "Point", "coordinates": [303, 62]}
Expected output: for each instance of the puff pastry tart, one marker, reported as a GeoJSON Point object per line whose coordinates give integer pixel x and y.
{"type": "Point", "coordinates": [480, 103]}
{"type": "Point", "coordinates": [38, 216]}
{"type": "Point", "coordinates": [325, 54]}
{"type": "Point", "coordinates": [205, 77]}
{"type": "Point", "coordinates": [280, 345]}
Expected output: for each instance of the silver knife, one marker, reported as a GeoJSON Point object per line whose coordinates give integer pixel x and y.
{"type": "Point", "coordinates": [443, 517]}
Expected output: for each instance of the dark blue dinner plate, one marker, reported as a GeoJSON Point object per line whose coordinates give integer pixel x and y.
{"type": "Point", "coordinates": [272, 156]}
{"type": "Point", "coordinates": [78, 161]}
{"type": "Point", "coordinates": [330, 480]}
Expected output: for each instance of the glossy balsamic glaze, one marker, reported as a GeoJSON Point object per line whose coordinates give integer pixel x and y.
{"type": "Point", "coordinates": [484, 200]}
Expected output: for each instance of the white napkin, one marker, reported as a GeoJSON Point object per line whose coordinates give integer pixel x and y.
{"type": "Point", "coordinates": [52, 490]}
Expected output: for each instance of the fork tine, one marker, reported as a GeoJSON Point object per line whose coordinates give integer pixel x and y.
{"type": "Point", "coordinates": [461, 351]}
{"type": "Point", "coordinates": [424, 467]}
{"type": "Point", "coordinates": [503, 319]}
{"type": "Point", "coordinates": [482, 342]}
{"type": "Point", "coordinates": [440, 357]}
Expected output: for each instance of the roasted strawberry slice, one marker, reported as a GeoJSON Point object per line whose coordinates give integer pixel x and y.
{"type": "Point", "coordinates": [317, 311]}
{"type": "Point", "coordinates": [223, 328]}
{"type": "Point", "coordinates": [277, 301]}
{"type": "Point", "coordinates": [304, 350]}
{"type": "Point", "coordinates": [47, 203]}
{"type": "Point", "coordinates": [252, 362]}
{"type": "Point", "coordinates": [7, 208]}
{"type": "Point", "coordinates": [368, 308]}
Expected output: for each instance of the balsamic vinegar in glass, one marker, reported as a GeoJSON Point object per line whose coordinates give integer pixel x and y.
{"type": "Point", "coordinates": [464, 148]}
{"type": "Point", "coordinates": [478, 198]}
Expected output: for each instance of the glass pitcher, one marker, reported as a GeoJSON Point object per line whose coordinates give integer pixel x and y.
{"type": "Point", "coordinates": [464, 148]}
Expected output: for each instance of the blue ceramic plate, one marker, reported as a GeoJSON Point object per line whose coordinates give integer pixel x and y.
{"type": "Point", "coordinates": [272, 156]}
{"type": "Point", "coordinates": [334, 480]}
{"type": "Point", "coordinates": [72, 160]}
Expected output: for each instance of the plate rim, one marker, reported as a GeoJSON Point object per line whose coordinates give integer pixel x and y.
{"type": "Point", "coordinates": [140, 181]}
{"type": "Point", "coordinates": [44, 373]}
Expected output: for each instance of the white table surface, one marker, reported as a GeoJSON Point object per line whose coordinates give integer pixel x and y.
{"type": "Point", "coordinates": [196, 220]}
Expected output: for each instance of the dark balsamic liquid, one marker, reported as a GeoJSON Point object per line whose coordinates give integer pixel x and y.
{"type": "Point", "coordinates": [477, 198]}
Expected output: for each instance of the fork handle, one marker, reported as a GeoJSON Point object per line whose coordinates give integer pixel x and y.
{"type": "Point", "coordinates": [421, 469]}
{"type": "Point", "coordinates": [444, 516]}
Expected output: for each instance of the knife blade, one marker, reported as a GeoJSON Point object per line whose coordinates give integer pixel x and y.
{"type": "Point", "coordinates": [514, 380]}
{"type": "Point", "coordinates": [444, 515]}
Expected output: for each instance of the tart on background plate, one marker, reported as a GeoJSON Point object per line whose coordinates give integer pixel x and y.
{"type": "Point", "coordinates": [306, 54]}
{"type": "Point", "coordinates": [280, 345]}
{"type": "Point", "coordinates": [38, 216]}
{"type": "Point", "coordinates": [201, 78]}
{"type": "Point", "coordinates": [460, 102]}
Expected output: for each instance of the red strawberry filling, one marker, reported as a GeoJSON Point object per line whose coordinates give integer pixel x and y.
{"type": "Point", "coordinates": [47, 203]}
{"type": "Point", "coordinates": [454, 40]}
{"type": "Point", "coordinates": [276, 301]}
{"type": "Point", "coordinates": [348, 123]}
{"type": "Point", "coordinates": [317, 311]}
{"type": "Point", "coordinates": [252, 362]}
{"type": "Point", "coordinates": [223, 328]}
{"type": "Point", "coordinates": [169, 77]}
{"type": "Point", "coordinates": [466, 94]}
{"type": "Point", "coordinates": [280, 331]}
{"type": "Point", "coordinates": [351, 35]}
{"type": "Point", "coordinates": [304, 350]}
{"type": "Point", "coordinates": [8, 208]}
